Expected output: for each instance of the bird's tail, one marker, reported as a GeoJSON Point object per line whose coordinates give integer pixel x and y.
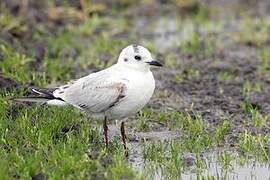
{"type": "Point", "coordinates": [31, 99]}
{"type": "Point", "coordinates": [42, 96]}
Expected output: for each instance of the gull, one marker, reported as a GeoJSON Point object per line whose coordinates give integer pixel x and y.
{"type": "Point", "coordinates": [116, 92]}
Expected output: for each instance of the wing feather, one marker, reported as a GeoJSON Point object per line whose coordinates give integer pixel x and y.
{"type": "Point", "coordinates": [95, 93]}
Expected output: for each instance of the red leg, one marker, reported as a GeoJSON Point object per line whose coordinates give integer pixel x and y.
{"type": "Point", "coordinates": [123, 135]}
{"type": "Point", "coordinates": [105, 131]}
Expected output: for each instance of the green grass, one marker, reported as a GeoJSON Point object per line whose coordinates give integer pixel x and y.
{"type": "Point", "coordinates": [225, 159]}
{"type": "Point", "coordinates": [258, 119]}
{"type": "Point", "coordinates": [263, 69]}
{"type": "Point", "coordinates": [19, 67]}
{"type": "Point", "coordinates": [187, 73]}
{"type": "Point", "coordinates": [258, 144]}
{"type": "Point", "coordinates": [253, 31]}
{"type": "Point", "coordinates": [63, 143]}
{"type": "Point", "coordinates": [59, 142]}
{"type": "Point", "coordinates": [225, 76]}
{"type": "Point", "coordinates": [168, 157]}
{"type": "Point", "coordinates": [198, 46]}
{"type": "Point", "coordinates": [249, 87]}
{"type": "Point", "coordinates": [143, 118]}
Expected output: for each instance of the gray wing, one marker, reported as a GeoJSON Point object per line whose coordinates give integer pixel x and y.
{"type": "Point", "coordinates": [95, 93]}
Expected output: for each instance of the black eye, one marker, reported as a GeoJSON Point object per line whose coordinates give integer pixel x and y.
{"type": "Point", "coordinates": [138, 58]}
{"type": "Point", "coordinates": [125, 59]}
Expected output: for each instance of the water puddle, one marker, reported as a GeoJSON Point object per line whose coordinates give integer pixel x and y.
{"type": "Point", "coordinates": [212, 167]}
{"type": "Point", "coordinates": [250, 170]}
{"type": "Point", "coordinates": [168, 32]}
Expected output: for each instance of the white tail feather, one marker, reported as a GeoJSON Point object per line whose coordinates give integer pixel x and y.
{"type": "Point", "coordinates": [35, 91]}
{"type": "Point", "coordinates": [41, 100]}
{"type": "Point", "coordinates": [56, 102]}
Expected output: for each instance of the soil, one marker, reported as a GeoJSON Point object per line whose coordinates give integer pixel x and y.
{"type": "Point", "coordinates": [6, 83]}
{"type": "Point", "coordinates": [204, 95]}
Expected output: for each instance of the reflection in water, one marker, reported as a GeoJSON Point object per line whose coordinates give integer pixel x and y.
{"type": "Point", "coordinates": [214, 168]}
{"type": "Point", "coordinates": [249, 170]}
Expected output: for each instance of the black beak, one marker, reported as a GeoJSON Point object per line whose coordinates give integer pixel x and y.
{"type": "Point", "coordinates": [155, 63]}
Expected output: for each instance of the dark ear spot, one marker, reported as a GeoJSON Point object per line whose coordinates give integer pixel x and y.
{"type": "Point", "coordinates": [125, 59]}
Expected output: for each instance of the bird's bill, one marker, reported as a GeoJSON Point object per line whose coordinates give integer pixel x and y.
{"type": "Point", "coordinates": [155, 63]}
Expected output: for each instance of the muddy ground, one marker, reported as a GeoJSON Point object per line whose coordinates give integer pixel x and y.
{"type": "Point", "coordinates": [199, 89]}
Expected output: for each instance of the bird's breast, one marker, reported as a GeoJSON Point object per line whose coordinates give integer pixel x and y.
{"type": "Point", "coordinates": [141, 89]}
{"type": "Point", "coordinates": [138, 93]}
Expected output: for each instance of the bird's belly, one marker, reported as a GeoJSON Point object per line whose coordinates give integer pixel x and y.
{"type": "Point", "coordinates": [126, 109]}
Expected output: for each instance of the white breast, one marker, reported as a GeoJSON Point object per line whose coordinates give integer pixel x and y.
{"type": "Point", "coordinates": [139, 91]}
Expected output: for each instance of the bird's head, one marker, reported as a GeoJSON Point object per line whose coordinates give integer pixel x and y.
{"type": "Point", "coordinates": [137, 57]}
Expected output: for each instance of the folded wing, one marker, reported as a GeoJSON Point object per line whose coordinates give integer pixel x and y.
{"type": "Point", "coordinates": [94, 93]}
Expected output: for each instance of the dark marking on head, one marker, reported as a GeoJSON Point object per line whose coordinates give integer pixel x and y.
{"type": "Point", "coordinates": [135, 48]}
{"type": "Point", "coordinates": [61, 92]}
